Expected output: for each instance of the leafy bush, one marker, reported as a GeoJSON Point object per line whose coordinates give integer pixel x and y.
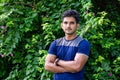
{"type": "Point", "coordinates": [28, 27]}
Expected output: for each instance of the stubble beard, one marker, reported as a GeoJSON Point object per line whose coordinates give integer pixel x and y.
{"type": "Point", "coordinates": [70, 33]}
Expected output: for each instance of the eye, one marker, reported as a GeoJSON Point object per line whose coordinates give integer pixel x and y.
{"type": "Point", "coordinates": [72, 22]}
{"type": "Point", "coordinates": [65, 22]}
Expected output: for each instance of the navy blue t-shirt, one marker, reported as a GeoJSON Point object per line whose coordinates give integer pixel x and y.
{"type": "Point", "coordinates": [66, 50]}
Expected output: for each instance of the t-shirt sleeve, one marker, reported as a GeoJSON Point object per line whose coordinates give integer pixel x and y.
{"type": "Point", "coordinates": [52, 48]}
{"type": "Point", "coordinates": [84, 47]}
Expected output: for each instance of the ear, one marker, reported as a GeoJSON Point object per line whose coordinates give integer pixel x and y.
{"type": "Point", "coordinates": [78, 25]}
{"type": "Point", "coordinates": [61, 25]}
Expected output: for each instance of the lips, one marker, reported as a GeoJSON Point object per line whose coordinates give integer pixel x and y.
{"type": "Point", "coordinates": [68, 29]}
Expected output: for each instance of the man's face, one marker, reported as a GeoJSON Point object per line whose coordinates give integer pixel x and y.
{"type": "Point", "coordinates": [69, 25]}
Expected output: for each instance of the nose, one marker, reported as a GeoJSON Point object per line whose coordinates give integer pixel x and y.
{"type": "Point", "coordinates": [68, 25]}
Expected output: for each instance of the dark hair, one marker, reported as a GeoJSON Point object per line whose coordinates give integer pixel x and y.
{"type": "Point", "coordinates": [71, 13]}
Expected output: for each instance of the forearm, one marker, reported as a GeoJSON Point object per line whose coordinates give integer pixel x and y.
{"type": "Point", "coordinates": [70, 66]}
{"type": "Point", "coordinates": [74, 65]}
{"type": "Point", "coordinates": [53, 68]}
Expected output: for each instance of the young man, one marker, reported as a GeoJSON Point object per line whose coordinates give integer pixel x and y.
{"type": "Point", "coordinates": [67, 55]}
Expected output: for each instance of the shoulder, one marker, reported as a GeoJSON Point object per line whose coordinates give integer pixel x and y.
{"type": "Point", "coordinates": [84, 47]}
{"type": "Point", "coordinates": [59, 41]}
{"type": "Point", "coordinates": [84, 41]}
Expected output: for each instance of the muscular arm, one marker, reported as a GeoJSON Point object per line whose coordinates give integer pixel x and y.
{"type": "Point", "coordinates": [76, 65]}
{"type": "Point", "coordinates": [65, 66]}
{"type": "Point", "coordinates": [50, 65]}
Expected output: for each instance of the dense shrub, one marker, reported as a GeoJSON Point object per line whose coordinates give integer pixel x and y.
{"type": "Point", "coordinates": [28, 27]}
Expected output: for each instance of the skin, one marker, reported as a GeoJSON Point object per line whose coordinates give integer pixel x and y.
{"type": "Point", "coordinates": [69, 26]}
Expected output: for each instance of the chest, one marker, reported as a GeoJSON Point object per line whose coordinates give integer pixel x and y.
{"type": "Point", "coordinates": [66, 52]}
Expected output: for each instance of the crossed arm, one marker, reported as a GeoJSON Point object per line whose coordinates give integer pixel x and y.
{"type": "Point", "coordinates": [65, 66]}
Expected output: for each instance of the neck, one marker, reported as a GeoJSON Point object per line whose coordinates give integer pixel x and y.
{"type": "Point", "coordinates": [70, 37]}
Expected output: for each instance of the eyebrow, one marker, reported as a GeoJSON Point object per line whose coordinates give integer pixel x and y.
{"type": "Point", "coordinates": [70, 22]}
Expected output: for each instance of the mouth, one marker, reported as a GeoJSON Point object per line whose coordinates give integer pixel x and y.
{"type": "Point", "coordinates": [68, 29]}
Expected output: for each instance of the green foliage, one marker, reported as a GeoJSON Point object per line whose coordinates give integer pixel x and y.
{"type": "Point", "coordinates": [28, 27]}
{"type": "Point", "coordinates": [104, 42]}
